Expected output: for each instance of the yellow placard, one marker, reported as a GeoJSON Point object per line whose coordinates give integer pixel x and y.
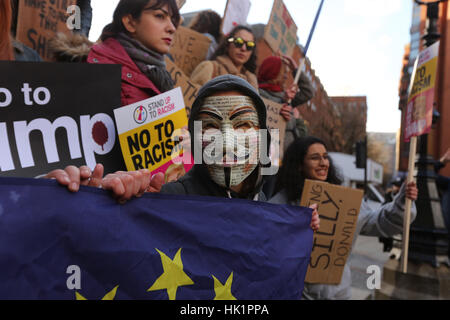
{"type": "Point", "coordinates": [150, 146]}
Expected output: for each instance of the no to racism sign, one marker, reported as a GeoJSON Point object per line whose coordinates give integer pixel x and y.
{"type": "Point", "coordinates": [148, 132]}
{"type": "Point", "coordinates": [419, 111]}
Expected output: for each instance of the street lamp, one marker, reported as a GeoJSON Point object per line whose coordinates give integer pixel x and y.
{"type": "Point", "coordinates": [429, 237]}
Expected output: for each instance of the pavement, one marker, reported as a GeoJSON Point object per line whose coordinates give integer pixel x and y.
{"type": "Point", "coordinates": [366, 252]}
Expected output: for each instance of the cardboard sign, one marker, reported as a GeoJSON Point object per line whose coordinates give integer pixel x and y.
{"type": "Point", "coordinates": [147, 133]}
{"type": "Point", "coordinates": [338, 209]}
{"type": "Point", "coordinates": [189, 49]}
{"type": "Point", "coordinates": [39, 21]}
{"type": "Point", "coordinates": [281, 31]}
{"type": "Point", "coordinates": [275, 121]}
{"type": "Point", "coordinates": [188, 87]}
{"type": "Point", "coordinates": [236, 13]}
{"type": "Point", "coordinates": [419, 114]}
{"type": "Point", "coordinates": [180, 3]}
{"type": "Point", "coordinates": [57, 114]}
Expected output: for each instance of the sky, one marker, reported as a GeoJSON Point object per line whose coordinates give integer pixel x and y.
{"type": "Point", "coordinates": [357, 47]}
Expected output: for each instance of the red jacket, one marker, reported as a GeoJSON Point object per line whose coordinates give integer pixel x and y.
{"type": "Point", "coordinates": [135, 85]}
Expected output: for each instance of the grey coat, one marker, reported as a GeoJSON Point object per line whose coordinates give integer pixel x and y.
{"type": "Point", "coordinates": [386, 221]}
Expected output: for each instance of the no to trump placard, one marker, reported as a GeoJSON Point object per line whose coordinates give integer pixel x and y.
{"type": "Point", "coordinates": [148, 132]}
{"type": "Point", "coordinates": [338, 209]}
{"type": "Point", "coordinates": [57, 114]}
{"type": "Point", "coordinates": [419, 111]}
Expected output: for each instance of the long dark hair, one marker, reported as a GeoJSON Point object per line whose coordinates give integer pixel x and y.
{"type": "Point", "coordinates": [222, 49]}
{"type": "Point", "coordinates": [290, 176]}
{"type": "Point", "coordinates": [135, 7]}
{"type": "Point", "coordinates": [207, 21]}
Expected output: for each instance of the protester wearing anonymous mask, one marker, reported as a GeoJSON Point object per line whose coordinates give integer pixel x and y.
{"type": "Point", "coordinates": [230, 107]}
{"type": "Point", "coordinates": [235, 55]}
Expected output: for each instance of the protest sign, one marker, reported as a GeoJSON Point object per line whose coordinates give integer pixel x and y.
{"type": "Point", "coordinates": [189, 49]}
{"type": "Point", "coordinates": [39, 21]}
{"type": "Point", "coordinates": [419, 118]}
{"type": "Point", "coordinates": [419, 114]}
{"type": "Point", "coordinates": [180, 3]}
{"type": "Point", "coordinates": [236, 13]}
{"type": "Point", "coordinates": [281, 31]}
{"type": "Point", "coordinates": [275, 121]}
{"type": "Point", "coordinates": [148, 132]}
{"type": "Point", "coordinates": [338, 208]}
{"type": "Point", "coordinates": [57, 114]}
{"type": "Point", "coordinates": [188, 88]}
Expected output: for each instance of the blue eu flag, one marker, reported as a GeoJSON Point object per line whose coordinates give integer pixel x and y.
{"type": "Point", "coordinates": [60, 245]}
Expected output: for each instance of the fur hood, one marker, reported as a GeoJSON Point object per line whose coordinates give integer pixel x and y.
{"type": "Point", "coordinates": [70, 48]}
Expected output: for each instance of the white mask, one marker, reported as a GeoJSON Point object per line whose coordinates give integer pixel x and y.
{"type": "Point", "coordinates": [230, 127]}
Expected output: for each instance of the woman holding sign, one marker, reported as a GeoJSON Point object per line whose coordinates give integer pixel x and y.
{"type": "Point", "coordinates": [307, 158]}
{"type": "Point", "coordinates": [138, 38]}
{"type": "Point", "coordinates": [235, 55]}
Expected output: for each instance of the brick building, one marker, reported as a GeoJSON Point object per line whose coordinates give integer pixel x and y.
{"type": "Point", "coordinates": [439, 137]}
{"type": "Point", "coordinates": [320, 112]}
{"type": "Point", "coordinates": [352, 112]}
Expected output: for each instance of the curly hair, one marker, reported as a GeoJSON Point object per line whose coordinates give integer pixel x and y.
{"type": "Point", "coordinates": [291, 177]}
{"type": "Point", "coordinates": [222, 49]}
{"type": "Point", "coordinates": [135, 7]}
{"type": "Point", "coordinates": [207, 21]}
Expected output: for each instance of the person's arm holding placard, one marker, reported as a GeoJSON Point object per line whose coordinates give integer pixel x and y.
{"type": "Point", "coordinates": [388, 219]}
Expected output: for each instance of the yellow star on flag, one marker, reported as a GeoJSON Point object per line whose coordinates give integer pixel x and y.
{"type": "Point", "coordinates": [173, 275]}
{"type": "Point", "coordinates": [109, 296]}
{"type": "Point", "coordinates": [223, 292]}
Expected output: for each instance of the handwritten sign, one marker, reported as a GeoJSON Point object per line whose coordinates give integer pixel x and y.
{"type": "Point", "coordinates": [419, 114]}
{"type": "Point", "coordinates": [189, 49]}
{"type": "Point", "coordinates": [338, 208]}
{"type": "Point", "coordinates": [188, 88]}
{"type": "Point", "coordinates": [236, 13]}
{"type": "Point", "coordinates": [281, 31]}
{"type": "Point", "coordinates": [275, 121]}
{"type": "Point", "coordinates": [180, 3]}
{"type": "Point", "coordinates": [147, 131]}
{"type": "Point", "coordinates": [39, 21]}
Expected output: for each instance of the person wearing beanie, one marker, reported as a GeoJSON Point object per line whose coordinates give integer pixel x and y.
{"type": "Point", "coordinates": [272, 78]}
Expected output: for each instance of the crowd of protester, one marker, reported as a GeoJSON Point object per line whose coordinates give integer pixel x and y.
{"type": "Point", "coordinates": [138, 38]}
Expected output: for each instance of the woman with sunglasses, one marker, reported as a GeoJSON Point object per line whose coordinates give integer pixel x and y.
{"type": "Point", "coordinates": [307, 158]}
{"type": "Point", "coordinates": [138, 38]}
{"type": "Point", "coordinates": [235, 55]}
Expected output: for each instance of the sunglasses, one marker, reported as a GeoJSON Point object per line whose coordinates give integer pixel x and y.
{"type": "Point", "coordinates": [239, 42]}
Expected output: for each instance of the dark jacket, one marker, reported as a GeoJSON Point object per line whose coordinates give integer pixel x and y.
{"type": "Point", "coordinates": [197, 181]}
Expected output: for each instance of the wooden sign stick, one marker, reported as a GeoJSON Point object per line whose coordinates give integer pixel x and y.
{"type": "Point", "coordinates": [408, 203]}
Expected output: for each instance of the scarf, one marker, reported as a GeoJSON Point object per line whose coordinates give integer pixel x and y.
{"type": "Point", "coordinates": [150, 63]}
{"type": "Point", "coordinates": [271, 87]}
